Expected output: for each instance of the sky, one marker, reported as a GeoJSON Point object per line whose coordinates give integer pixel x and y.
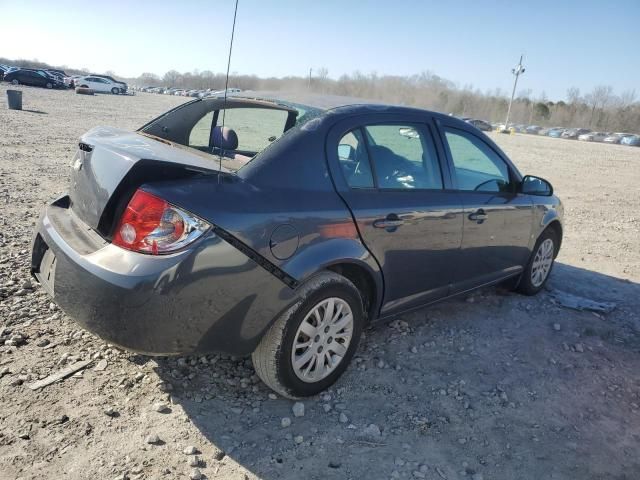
{"type": "Point", "coordinates": [470, 42]}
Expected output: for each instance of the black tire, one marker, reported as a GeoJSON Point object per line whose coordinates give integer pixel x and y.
{"type": "Point", "coordinates": [526, 285]}
{"type": "Point", "coordinates": [272, 359]}
{"type": "Point", "coordinates": [49, 85]}
{"type": "Point", "coordinates": [115, 90]}
{"type": "Point", "coordinates": [15, 81]}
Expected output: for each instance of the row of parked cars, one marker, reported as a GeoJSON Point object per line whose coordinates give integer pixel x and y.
{"type": "Point", "coordinates": [582, 134]}
{"type": "Point", "coordinates": [197, 93]}
{"type": "Point", "coordinates": [53, 78]}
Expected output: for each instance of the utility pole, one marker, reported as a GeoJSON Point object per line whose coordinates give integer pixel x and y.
{"type": "Point", "coordinates": [517, 71]}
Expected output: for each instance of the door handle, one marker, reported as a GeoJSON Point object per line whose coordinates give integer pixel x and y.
{"type": "Point", "coordinates": [478, 216]}
{"type": "Point", "coordinates": [390, 223]}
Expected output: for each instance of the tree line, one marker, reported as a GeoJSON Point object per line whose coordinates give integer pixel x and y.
{"type": "Point", "coordinates": [598, 109]}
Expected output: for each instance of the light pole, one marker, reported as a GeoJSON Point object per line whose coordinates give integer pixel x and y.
{"type": "Point", "coordinates": [517, 71]}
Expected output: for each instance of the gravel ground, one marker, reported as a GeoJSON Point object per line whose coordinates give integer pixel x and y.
{"type": "Point", "coordinates": [490, 386]}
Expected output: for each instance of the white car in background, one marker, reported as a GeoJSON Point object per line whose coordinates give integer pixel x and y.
{"type": "Point", "coordinates": [616, 137]}
{"type": "Point", "coordinates": [99, 84]}
{"type": "Point", "coordinates": [593, 136]}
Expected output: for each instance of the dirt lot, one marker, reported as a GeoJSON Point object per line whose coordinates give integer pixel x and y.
{"type": "Point", "coordinates": [492, 386]}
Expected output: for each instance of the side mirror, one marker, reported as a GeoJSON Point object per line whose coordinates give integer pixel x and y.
{"type": "Point", "coordinates": [531, 185]}
{"type": "Point", "coordinates": [346, 152]}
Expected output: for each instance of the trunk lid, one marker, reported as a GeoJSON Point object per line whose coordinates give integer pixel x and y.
{"type": "Point", "coordinates": [108, 156]}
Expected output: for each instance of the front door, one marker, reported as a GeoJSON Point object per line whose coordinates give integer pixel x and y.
{"type": "Point", "coordinates": [497, 220]}
{"type": "Point", "coordinates": [391, 178]}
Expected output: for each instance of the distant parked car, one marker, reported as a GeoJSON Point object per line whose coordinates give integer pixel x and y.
{"type": "Point", "coordinates": [555, 132]}
{"type": "Point", "coordinates": [533, 129]}
{"type": "Point", "coordinates": [51, 73]}
{"type": "Point", "coordinates": [631, 140]}
{"type": "Point", "coordinates": [121, 85]}
{"type": "Point", "coordinates": [56, 73]}
{"type": "Point", "coordinates": [480, 124]}
{"type": "Point", "coordinates": [574, 133]}
{"type": "Point", "coordinates": [33, 78]}
{"type": "Point", "coordinates": [545, 131]}
{"type": "Point", "coordinates": [616, 137]}
{"type": "Point", "coordinates": [593, 136]}
{"type": "Point", "coordinates": [99, 84]}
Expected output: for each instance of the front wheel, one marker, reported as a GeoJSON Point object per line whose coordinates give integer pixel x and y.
{"type": "Point", "coordinates": [15, 81]}
{"type": "Point", "coordinates": [307, 349]}
{"type": "Point", "coordinates": [49, 85]}
{"type": "Point", "coordinates": [115, 90]}
{"type": "Point", "coordinates": [539, 267]}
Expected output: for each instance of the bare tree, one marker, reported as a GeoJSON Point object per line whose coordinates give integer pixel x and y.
{"type": "Point", "coordinates": [598, 100]}
{"type": "Point", "coordinates": [171, 77]}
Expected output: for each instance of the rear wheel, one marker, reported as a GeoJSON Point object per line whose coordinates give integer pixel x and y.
{"type": "Point", "coordinates": [540, 264]}
{"type": "Point", "coordinates": [115, 90]}
{"type": "Point", "coordinates": [307, 349]}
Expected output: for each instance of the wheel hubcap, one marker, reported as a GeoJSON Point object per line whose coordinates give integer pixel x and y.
{"type": "Point", "coordinates": [322, 340]}
{"type": "Point", "coordinates": [542, 263]}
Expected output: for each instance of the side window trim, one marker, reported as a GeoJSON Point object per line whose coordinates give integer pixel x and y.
{"type": "Point", "coordinates": [365, 138]}
{"type": "Point", "coordinates": [361, 135]}
{"type": "Point", "coordinates": [443, 128]}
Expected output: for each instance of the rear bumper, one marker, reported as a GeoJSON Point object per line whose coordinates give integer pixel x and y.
{"type": "Point", "coordinates": [211, 298]}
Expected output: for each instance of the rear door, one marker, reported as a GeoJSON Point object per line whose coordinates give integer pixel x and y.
{"type": "Point", "coordinates": [497, 220]}
{"type": "Point", "coordinates": [31, 78]}
{"type": "Point", "coordinates": [92, 82]}
{"type": "Point", "coordinates": [388, 170]}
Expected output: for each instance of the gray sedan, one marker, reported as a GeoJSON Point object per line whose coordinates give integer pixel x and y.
{"type": "Point", "coordinates": [281, 229]}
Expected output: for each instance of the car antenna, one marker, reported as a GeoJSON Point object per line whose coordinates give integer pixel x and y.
{"type": "Point", "coordinates": [226, 85]}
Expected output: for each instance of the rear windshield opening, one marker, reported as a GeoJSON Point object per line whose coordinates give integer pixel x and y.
{"type": "Point", "coordinates": [249, 128]}
{"type": "Point", "coordinates": [254, 128]}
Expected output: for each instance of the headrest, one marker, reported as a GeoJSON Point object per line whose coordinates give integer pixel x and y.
{"type": "Point", "coordinates": [225, 138]}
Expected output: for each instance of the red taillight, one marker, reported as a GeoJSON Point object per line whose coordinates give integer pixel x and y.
{"type": "Point", "coordinates": [150, 224]}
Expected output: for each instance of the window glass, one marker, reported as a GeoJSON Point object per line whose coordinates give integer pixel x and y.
{"type": "Point", "coordinates": [256, 128]}
{"type": "Point", "coordinates": [354, 161]}
{"type": "Point", "coordinates": [477, 166]}
{"type": "Point", "coordinates": [403, 156]}
{"type": "Point", "coordinates": [199, 136]}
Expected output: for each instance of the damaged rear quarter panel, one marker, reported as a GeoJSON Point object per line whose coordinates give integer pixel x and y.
{"type": "Point", "coordinates": [287, 184]}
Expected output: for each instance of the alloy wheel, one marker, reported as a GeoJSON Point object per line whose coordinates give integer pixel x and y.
{"type": "Point", "coordinates": [542, 263]}
{"type": "Point", "coordinates": [322, 340]}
